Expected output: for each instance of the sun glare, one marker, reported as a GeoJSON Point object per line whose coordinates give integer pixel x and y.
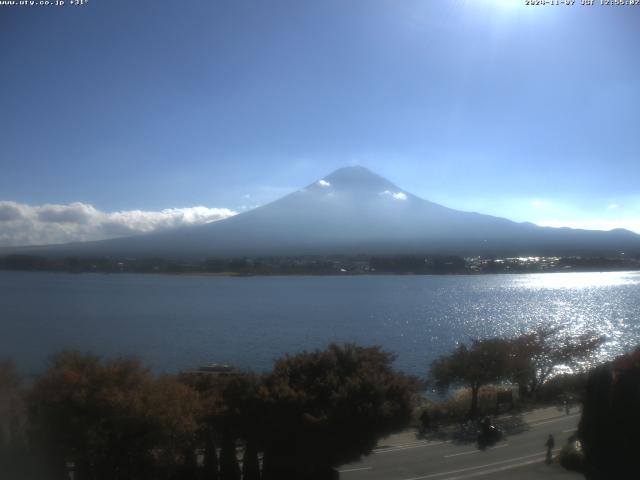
{"type": "Point", "coordinates": [579, 280]}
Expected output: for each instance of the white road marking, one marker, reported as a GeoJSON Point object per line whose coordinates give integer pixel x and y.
{"type": "Point", "coordinates": [433, 475]}
{"type": "Point", "coordinates": [471, 452]}
{"type": "Point", "coordinates": [408, 447]}
{"type": "Point", "coordinates": [354, 469]}
{"type": "Point", "coordinates": [496, 470]}
{"type": "Point", "coordinates": [557, 419]}
{"type": "Point", "coordinates": [417, 442]}
{"type": "Point", "coordinates": [570, 430]}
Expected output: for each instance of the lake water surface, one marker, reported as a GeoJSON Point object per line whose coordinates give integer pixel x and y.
{"type": "Point", "coordinates": [176, 322]}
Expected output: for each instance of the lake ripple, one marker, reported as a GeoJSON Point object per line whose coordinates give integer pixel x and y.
{"type": "Point", "coordinates": [175, 322]}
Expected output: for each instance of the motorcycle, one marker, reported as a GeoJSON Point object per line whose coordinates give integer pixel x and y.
{"type": "Point", "coordinates": [489, 436]}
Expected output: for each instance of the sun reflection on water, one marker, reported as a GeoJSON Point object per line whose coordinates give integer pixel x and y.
{"type": "Point", "coordinates": [579, 280]}
{"type": "Point", "coordinates": [578, 303]}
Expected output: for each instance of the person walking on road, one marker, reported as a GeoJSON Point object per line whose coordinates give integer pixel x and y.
{"type": "Point", "coordinates": [550, 444]}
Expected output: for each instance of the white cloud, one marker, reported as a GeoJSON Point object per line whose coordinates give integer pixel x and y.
{"type": "Point", "coordinates": [22, 224]}
{"type": "Point", "coordinates": [78, 213]}
{"type": "Point", "coordinates": [396, 195]}
{"type": "Point", "coordinates": [324, 183]}
{"type": "Point", "coordinates": [613, 206]}
{"type": "Point", "coordinates": [9, 211]}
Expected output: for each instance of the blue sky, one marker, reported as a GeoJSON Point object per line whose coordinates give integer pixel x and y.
{"type": "Point", "coordinates": [530, 113]}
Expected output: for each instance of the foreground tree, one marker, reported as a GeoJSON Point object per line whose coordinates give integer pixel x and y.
{"type": "Point", "coordinates": [537, 355]}
{"type": "Point", "coordinates": [610, 419]}
{"type": "Point", "coordinates": [484, 362]}
{"type": "Point", "coordinates": [209, 389]}
{"type": "Point", "coordinates": [326, 408]}
{"type": "Point", "coordinates": [112, 420]}
{"type": "Point", "coordinates": [10, 405]}
{"type": "Point", "coordinates": [243, 415]}
{"type": "Point", "coordinates": [231, 412]}
{"type": "Point", "coordinates": [213, 422]}
{"type": "Point", "coordinates": [14, 460]}
{"type": "Point", "coordinates": [229, 468]}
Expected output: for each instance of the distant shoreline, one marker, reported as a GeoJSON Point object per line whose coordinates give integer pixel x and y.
{"type": "Point", "coordinates": [337, 275]}
{"type": "Point", "coordinates": [328, 265]}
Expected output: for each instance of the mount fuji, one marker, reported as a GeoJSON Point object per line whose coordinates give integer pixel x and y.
{"type": "Point", "coordinates": [355, 211]}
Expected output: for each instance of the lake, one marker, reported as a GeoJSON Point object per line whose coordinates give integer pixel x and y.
{"type": "Point", "coordinates": [177, 322]}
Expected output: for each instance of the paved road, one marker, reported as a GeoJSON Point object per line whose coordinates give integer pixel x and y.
{"type": "Point", "coordinates": [520, 456]}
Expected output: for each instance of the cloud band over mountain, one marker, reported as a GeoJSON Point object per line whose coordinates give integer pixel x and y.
{"type": "Point", "coordinates": [22, 224]}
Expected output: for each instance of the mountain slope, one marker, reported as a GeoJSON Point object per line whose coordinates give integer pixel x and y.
{"type": "Point", "coordinates": [353, 210]}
